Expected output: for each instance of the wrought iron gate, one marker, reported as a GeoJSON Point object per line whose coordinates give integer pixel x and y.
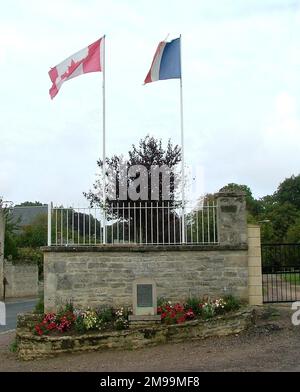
{"type": "Point", "coordinates": [281, 272]}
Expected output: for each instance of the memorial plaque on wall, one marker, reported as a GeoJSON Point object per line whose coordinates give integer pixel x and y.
{"type": "Point", "coordinates": [144, 295]}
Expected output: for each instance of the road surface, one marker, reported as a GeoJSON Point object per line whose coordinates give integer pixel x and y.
{"type": "Point", "coordinates": [13, 307]}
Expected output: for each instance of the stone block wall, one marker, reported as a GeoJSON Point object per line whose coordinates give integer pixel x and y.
{"type": "Point", "coordinates": [22, 280]}
{"type": "Point", "coordinates": [105, 275]}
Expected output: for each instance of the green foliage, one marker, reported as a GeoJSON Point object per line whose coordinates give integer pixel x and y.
{"type": "Point", "coordinates": [289, 191]}
{"type": "Point", "coordinates": [148, 152]}
{"type": "Point", "coordinates": [80, 325]}
{"type": "Point", "coordinates": [22, 243]}
{"type": "Point", "coordinates": [68, 307]}
{"type": "Point", "coordinates": [13, 347]}
{"type": "Point", "coordinates": [193, 303]}
{"type": "Point", "coordinates": [293, 232]}
{"type": "Point", "coordinates": [39, 307]}
{"type": "Point", "coordinates": [11, 247]}
{"type": "Point", "coordinates": [161, 301]}
{"type": "Point", "coordinates": [35, 234]}
{"type": "Point", "coordinates": [293, 278]}
{"type": "Point", "coordinates": [10, 240]}
{"type": "Point", "coordinates": [208, 311]}
{"type": "Point", "coordinates": [281, 217]}
{"type": "Point", "coordinates": [106, 314]}
{"type": "Point", "coordinates": [30, 204]}
{"type": "Point", "coordinates": [231, 303]}
{"type": "Point", "coordinates": [121, 318]}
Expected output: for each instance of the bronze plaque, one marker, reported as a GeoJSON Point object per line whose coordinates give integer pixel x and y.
{"type": "Point", "coordinates": [144, 295]}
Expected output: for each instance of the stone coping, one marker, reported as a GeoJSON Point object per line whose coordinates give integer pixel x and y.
{"type": "Point", "coordinates": [140, 248]}
{"type": "Point", "coordinates": [31, 346]}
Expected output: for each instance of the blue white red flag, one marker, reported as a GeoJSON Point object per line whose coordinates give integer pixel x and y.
{"type": "Point", "coordinates": [166, 63]}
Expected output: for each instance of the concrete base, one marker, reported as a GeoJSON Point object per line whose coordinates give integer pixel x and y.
{"type": "Point", "coordinates": [143, 321]}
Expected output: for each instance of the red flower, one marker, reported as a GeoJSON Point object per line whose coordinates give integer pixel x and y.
{"type": "Point", "coordinates": [38, 330]}
{"type": "Point", "coordinates": [190, 314]}
{"type": "Point", "coordinates": [51, 326]}
{"type": "Point", "coordinates": [181, 319]}
{"type": "Point", "coordinates": [178, 308]}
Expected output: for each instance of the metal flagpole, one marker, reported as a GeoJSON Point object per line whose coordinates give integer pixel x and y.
{"type": "Point", "coordinates": [103, 143]}
{"type": "Point", "coordinates": [182, 156]}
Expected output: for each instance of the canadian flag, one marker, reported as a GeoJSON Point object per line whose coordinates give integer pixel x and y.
{"type": "Point", "coordinates": [89, 59]}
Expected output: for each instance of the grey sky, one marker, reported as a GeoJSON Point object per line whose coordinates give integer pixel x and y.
{"type": "Point", "coordinates": [241, 75]}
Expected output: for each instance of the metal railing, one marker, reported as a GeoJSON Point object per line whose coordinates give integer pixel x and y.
{"type": "Point", "coordinates": [281, 272]}
{"type": "Point", "coordinates": [147, 223]}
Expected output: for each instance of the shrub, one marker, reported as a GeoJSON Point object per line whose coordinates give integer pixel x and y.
{"type": "Point", "coordinates": [91, 320]}
{"type": "Point", "coordinates": [193, 303]}
{"type": "Point", "coordinates": [161, 301]}
{"type": "Point", "coordinates": [79, 324]}
{"type": "Point", "coordinates": [231, 303]}
{"type": "Point", "coordinates": [39, 307]}
{"type": "Point", "coordinates": [13, 347]}
{"type": "Point", "coordinates": [121, 318]}
{"type": "Point", "coordinates": [106, 314]}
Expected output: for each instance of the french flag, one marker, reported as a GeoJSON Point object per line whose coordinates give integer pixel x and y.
{"type": "Point", "coordinates": [166, 63]}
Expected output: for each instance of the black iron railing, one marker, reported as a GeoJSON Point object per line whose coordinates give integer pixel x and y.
{"type": "Point", "coordinates": [281, 272]}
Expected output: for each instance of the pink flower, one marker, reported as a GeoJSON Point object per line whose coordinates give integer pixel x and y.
{"type": "Point", "coordinates": [190, 313]}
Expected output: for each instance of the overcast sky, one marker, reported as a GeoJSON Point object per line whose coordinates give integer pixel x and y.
{"type": "Point", "coordinates": [241, 86]}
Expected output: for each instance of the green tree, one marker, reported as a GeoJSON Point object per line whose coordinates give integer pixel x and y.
{"type": "Point", "coordinates": [149, 152]}
{"type": "Point", "coordinates": [289, 191]}
{"type": "Point", "coordinates": [293, 232]}
{"type": "Point", "coordinates": [281, 217]}
{"type": "Point", "coordinates": [35, 234]}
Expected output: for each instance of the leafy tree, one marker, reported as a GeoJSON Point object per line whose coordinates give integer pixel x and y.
{"type": "Point", "coordinates": [149, 152]}
{"type": "Point", "coordinates": [35, 234]}
{"type": "Point", "coordinates": [293, 232]}
{"type": "Point", "coordinates": [281, 217]}
{"type": "Point", "coordinates": [289, 191]}
{"type": "Point", "coordinates": [10, 245]}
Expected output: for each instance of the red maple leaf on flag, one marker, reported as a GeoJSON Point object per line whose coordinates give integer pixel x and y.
{"type": "Point", "coordinates": [71, 69]}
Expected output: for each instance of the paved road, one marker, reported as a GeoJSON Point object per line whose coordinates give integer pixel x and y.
{"type": "Point", "coordinates": [13, 307]}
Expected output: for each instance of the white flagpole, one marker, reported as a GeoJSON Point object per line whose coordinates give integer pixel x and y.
{"type": "Point", "coordinates": [183, 239]}
{"type": "Point", "coordinates": [103, 142]}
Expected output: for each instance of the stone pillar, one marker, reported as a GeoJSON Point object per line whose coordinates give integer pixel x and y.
{"type": "Point", "coordinates": [254, 266]}
{"type": "Point", "coordinates": [2, 231]}
{"type": "Point", "coordinates": [231, 218]}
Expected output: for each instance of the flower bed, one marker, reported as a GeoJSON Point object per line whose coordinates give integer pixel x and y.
{"type": "Point", "coordinates": [33, 346]}
{"type": "Point", "coordinates": [76, 321]}
{"type": "Point", "coordinates": [71, 320]}
{"type": "Point", "coordinates": [194, 308]}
